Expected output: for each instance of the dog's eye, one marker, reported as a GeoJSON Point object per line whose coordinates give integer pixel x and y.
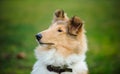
{"type": "Point", "coordinates": [59, 30]}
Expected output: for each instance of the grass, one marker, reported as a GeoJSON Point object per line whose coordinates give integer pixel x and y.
{"type": "Point", "coordinates": [21, 20]}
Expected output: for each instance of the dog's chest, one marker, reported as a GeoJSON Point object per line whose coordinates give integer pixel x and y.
{"type": "Point", "coordinates": [52, 58]}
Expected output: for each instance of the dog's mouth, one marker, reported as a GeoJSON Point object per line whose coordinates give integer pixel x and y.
{"type": "Point", "coordinates": [46, 43]}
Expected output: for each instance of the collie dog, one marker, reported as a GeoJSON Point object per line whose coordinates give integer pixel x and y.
{"type": "Point", "coordinates": [62, 47]}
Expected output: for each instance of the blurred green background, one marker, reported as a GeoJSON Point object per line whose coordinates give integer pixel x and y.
{"type": "Point", "coordinates": [20, 20]}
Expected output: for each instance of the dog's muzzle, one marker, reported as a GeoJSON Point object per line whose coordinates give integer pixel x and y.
{"type": "Point", "coordinates": [39, 37]}
{"type": "Point", "coordinates": [59, 69]}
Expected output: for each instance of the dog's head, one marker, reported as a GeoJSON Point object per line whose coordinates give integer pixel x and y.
{"type": "Point", "coordinates": [63, 33]}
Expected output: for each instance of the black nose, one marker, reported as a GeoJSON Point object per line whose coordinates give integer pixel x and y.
{"type": "Point", "coordinates": [38, 36]}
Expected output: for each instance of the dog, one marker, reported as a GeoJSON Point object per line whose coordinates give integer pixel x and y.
{"type": "Point", "coordinates": [62, 47]}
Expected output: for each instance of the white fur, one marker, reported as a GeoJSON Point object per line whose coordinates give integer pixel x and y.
{"type": "Point", "coordinates": [50, 57]}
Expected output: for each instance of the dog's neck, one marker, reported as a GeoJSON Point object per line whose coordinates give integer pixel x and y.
{"type": "Point", "coordinates": [62, 50]}
{"type": "Point", "coordinates": [52, 57]}
{"type": "Point", "coordinates": [65, 51]}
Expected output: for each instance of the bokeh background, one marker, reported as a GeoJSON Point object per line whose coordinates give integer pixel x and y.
{"type": "Point", "coordinates": [20, 20]}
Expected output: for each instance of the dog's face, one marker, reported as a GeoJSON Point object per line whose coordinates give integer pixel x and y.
{"type": "Point", "coordinates": [63, 32]}
{"type": "Point", "coordinates": [54, 35]}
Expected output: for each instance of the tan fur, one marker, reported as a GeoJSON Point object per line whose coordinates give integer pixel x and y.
{"type": "Point", "coordinates": [60, 15]}
{"type": "Point", "coordinates": [65, 44]}
{"type": "Point", "coordinates": [71, 40]}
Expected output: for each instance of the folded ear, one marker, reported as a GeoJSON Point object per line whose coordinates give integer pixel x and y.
{"type": "Point", "coordinates": [75, 25]}
{"type": "Point", "coordinates": [59, 15]}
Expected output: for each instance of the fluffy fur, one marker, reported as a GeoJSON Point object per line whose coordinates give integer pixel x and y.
{"type": "Point", "coordinates": [64, 42]}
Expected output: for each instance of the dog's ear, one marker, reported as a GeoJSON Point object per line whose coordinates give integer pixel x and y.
{"type": "Point", "coordinates": [59, 15]}
{"type": "Point", "coordinates": [74, 26]}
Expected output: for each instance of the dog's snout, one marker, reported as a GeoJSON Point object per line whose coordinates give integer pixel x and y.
{"type": "Point", "coordinates": [38, 36]}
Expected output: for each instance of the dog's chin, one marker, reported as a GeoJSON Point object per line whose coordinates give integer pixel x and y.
{"type": "Point", "coordinates": [42, 43]}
